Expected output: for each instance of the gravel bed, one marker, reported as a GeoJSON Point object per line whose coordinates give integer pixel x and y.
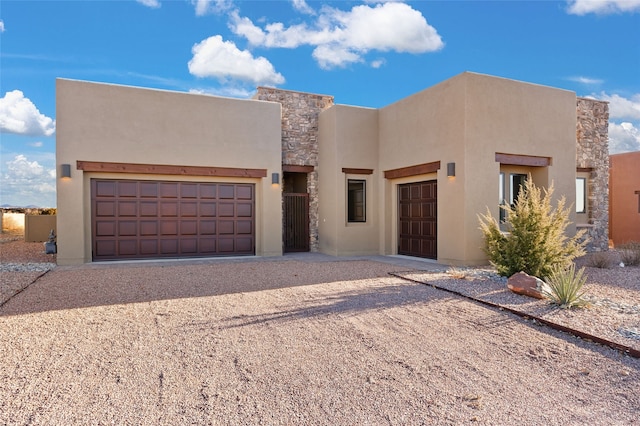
{"type": "Point", "coordinates": [304, 342]}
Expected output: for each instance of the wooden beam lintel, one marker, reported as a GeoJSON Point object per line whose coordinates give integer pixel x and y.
{"type": "Point", "coordinates": [164, 169]}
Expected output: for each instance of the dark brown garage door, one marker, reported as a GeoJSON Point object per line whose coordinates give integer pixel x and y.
{"type": "Point", "coordinates": [134, 219]}
{"type": "Point", "coordinates": [418, 219]}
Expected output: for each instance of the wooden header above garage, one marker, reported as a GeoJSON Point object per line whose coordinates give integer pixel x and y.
{"type": "Point", "coordinates": [419, 169]}
{"type": "Point", "coordinates": [162, 169]}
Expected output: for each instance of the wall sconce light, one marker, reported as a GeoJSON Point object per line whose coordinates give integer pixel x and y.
{"type": "Point", "coordinates": [275, 178]}
{"type": "Point", "coordinates": [451, 169]}
{"type": "Point", "coordinates": [65, 171]}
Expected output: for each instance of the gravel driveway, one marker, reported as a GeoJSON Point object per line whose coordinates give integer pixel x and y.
{"type": "Point", "coordinates": [290, 342]}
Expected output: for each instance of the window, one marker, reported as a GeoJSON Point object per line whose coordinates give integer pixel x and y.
{"type": "Point", "coordinates": [502, 213]}
{"type": "Point", "coordinates": [356, 207]}
{"type": "Point", "coordinates": [581, 195]}
{"type": "Point", "coordinates": [516, 184]}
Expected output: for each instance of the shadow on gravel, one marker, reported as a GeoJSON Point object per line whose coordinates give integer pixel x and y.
{"type": "Point", "coordinates": [82, 287]}
{"type": "Point", "coordinates": [346, 303]}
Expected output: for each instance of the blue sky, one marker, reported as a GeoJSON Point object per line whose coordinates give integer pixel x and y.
{"type": "Point", "coordinates": [368, 53]}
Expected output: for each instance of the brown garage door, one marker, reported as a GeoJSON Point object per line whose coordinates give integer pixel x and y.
{"type": "Point", "coordinates": [418, 219]}
{"type": "Point", "coordinates": [134, 219]}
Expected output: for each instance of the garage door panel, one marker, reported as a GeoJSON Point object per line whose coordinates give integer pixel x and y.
{"type": "Point", "coordinates": [244, 192]}
{"type": "Point", "coordinates": [105, 229]}
{"type": "Point", "coordinates": [140, 219]}
{"type": "Point", "coordinates": [226, 227]}
{"type": "Point", "coordinates": [127, 247]}
{"type": "Point", "coordinates": [188, 246]}
{"type": "Point", "coordinates": [148, 189]}
{"type": "Point", "coordinates": [208, 227]}
{"type": "Point", "coordinates": [188, 209]}
{"type": "Point", "coordinates": [169, 209]}
{"type": "Point", "coordinates": [169, 190]}
{"type": "Point", "coordinates": [226, 191]}
{"type": "Point", "coordinates": [208, 209]}
{"type": "Point", "coordinates": [207, 245]}
{"type": "Point", "coordinates": [188, 190]}
{"type": "Point", "coordinates": [208, 190]}
{"type": "Point", "coordinates": [148, 208]}
{"type": "Point", "coordinates": [127, 189]}
{"type": "Point", "coordinates": [105, 189]}
{"type": "Point", "coordinates": [188, 227]}
{"type": "Point", "coordinates": [226, 245]}
{"type": "Point", "coordinates": [148, 228]}
{"type": "Point", "coordinates": [244, 227]}
{"type": "Point", "coordinates": [105, 208]}
{"type": "Point", "coordinates": [149, 247]}
{"type": "Point", "coordinates": [127, 228]}
{"type": "Point", "coordinates": [226, 209]}
{"type": "Point", "coordinates": [169, 227]}
{"type": "Point", "coordinates": [127, 208]}
{"type": "Point", "coordinates": [244, 210]}
{"type": "Point", "coordinates": [105, 248]}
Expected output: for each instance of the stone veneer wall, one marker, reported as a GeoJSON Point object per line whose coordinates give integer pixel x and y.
{"type": "Point", "coordinates": [300, 139]}
{"type": "Point", "coordinates": [592, 137]}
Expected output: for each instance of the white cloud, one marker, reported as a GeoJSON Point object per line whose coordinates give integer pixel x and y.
{"type": "Point", "coordinates": [19, 115]}
{"type": "Point", "coordinates": [602, 7]}
{"type": "Point", "coordinates": [36, 144]}
{"type": "Point", "coordinates": [378, 63]}
{"type": "Point", "coordinates": [154, 4]}
{"type": "Point", "coordinates": [302, 7]}
{"type": "Point", "coordinates": [27, 182]}
{"type": "Point", "coordinates": [623, 137]}
{"type": "Point", "coordinates": [623, 108]}
{"type": "Point", "coordinates": [343, 37]}
{"type": "Point", "coordinates": [1, 26]}
{"type": "Point", "coordinates": [205, 7]}
{"type": "Point", "coordinates": [586, 80]}
{"type": "Point", "coordinates": [214, 57]}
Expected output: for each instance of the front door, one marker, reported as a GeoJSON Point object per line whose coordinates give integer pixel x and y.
{"type": "Point", "coordinates": [418, 204]}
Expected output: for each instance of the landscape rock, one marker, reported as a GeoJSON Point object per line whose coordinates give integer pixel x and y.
{"type": "Point", "coordinates": [526, 285]}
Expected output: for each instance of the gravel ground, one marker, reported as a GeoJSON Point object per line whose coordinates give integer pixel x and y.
{"type": "Point", "coordinates": [300, 342]}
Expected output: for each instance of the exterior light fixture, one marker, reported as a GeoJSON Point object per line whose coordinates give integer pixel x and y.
{"type": "Point", "coordinates": [65, 171]}
{"type": "Point", "coordinates": [275, 178]}
{"type": "Point", "coordinates": [451, 169]}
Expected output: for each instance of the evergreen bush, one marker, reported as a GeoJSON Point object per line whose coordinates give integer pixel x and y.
{"type": "Point", "coordinates": [534, 240]}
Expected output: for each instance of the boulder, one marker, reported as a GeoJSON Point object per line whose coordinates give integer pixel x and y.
{"type": "Point", "coordinates": [522, 283]}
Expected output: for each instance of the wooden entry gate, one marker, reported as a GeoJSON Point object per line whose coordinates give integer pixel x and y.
{"type": "Point", "coordinates": [296, 222]}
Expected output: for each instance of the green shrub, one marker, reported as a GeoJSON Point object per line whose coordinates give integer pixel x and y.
{"type": "Point", "coordinates": [535, 240]}
{"type": "Point", "coordinates": [630, 253]}
{"type": "Point", "coordinates": [564, 287]}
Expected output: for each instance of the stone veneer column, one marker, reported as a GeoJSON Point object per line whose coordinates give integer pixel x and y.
{"type": "Point", "coordinates": [592, 137]}
{"type": "Point", "coordinates": [300, 139]}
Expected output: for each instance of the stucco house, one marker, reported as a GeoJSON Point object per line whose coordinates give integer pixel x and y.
{"type": "Point", "coordinates": [151, 174]}
{"type": "Point", "coordinates": [624, 198]}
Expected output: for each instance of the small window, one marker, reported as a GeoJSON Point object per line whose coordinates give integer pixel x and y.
{"type": "Point", "coordinates": [356, 206]}
{"type": "Point", "coordinates": [516, 184]}
{"type": "Point", "coordinates": [581, 195]}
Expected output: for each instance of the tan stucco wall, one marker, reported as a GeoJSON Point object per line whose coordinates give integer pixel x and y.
{"type": "Point", "coordinates": [464, 120]}
{"type": "Point", "coordinates": [624, 203]}
{"type": "Point", "coordinates": [348, 138]}
{"type": "Point", "coordinates": [101, 122]}
{"type": "Point", "coordinates": [37, 228]}
{"type": "Point", "coordinates": [515, 118]}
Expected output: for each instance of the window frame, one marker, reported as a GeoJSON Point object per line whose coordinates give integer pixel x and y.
{"type": "Point", "coordinates": [352, 216]}
{"type": "Point", "coordinates": [584, 195]}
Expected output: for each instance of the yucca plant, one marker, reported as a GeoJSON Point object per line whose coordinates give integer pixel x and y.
{"type": "Point", "coordinates": [564, 287]}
